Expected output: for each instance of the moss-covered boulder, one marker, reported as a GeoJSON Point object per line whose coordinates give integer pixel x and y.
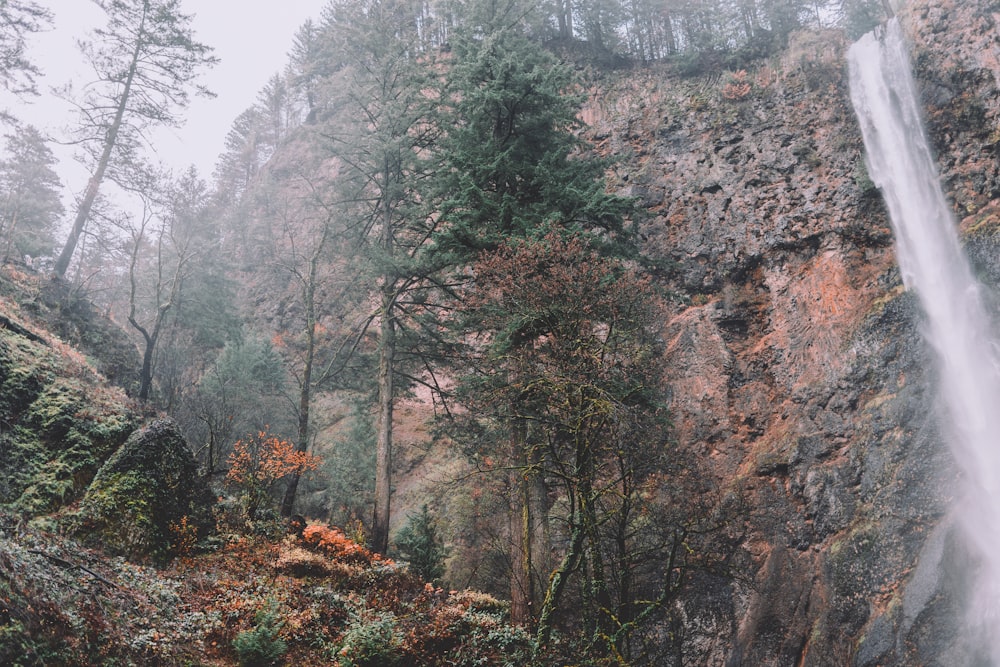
{"type": "Point", "coordinates": [148, 500]}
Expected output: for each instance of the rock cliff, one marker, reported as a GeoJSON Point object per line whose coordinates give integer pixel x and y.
{"type": "Point", "coordinates": [795, 362]}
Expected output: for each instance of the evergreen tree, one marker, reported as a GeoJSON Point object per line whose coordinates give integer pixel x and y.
{"type": "Point", "coordinates": [18, 18]}
{"type": "Point", "coordinates": [511, 154]}
{"type": "Point", "coordinates": [419, 544]}
{"type": "Point", "coordinates": [308, 67]}
{"type": "Point", "coordinates": [379, 130]}
{"type": "Point", "coordinates": [244, 152]}
{"type": "Point", "coordinates": [203, 317]}
{"type": "Point", "coordinates": [279, 109]}
{"type": "Point", "coordinates": [239, 393]}
{"type": "Point", "coordinates": [514, 168]}
{"type": "Point", "coordinates": [30, 205]}
{"type": "Point", "coordinates": [349, 467]}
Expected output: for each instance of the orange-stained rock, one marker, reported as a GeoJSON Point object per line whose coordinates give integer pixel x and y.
{"type": "Point", "coordinates": [795, 365]}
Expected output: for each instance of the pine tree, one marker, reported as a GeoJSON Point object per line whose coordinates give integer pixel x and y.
{"type": "Point", "coordinates": [514, 168]}
{"type": "Point", "coordinates": [379, 128]}
{"type": "Point", "coordinates": [419, 544]}
{"type": "Point", "coordinates": [30, 206]}
{"type": "Point", "coordinates": [512, 154]}
{"type": "Point", "coordinates": [18, 18]}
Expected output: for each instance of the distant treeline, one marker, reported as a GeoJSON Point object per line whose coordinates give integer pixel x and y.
{"type": "Point", "coordinates": [649, 30]}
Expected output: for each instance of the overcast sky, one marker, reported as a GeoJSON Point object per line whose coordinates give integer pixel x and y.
{"type": "Point", "coordinates": [251, 37]}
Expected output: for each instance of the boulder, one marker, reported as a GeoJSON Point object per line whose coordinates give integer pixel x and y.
{"type": "Point", "coordinates": [147, 500]}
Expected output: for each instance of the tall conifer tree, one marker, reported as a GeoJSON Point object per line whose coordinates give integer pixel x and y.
{"type": "Point", "coordinates": [514, 169]}
{"type": "Point", "coordinates": [380, 131]}
{"type": "Point", "coordinates": [29, 195]}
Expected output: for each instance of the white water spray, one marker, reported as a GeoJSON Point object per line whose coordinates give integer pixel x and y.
{"type": "Point", "coordinates": [932, 263]}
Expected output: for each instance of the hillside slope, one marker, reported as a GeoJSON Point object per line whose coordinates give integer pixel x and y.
{"type": "Point", "coordinates": [84, 488]}
{"type": "Point", "coordinates": [60, 416]}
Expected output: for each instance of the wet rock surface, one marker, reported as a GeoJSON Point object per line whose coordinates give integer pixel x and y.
{"type": "Point", "coordinates": [796, 365]}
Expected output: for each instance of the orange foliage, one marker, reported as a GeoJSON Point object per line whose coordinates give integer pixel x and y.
{"type": "Point", "coordinates": [738, 87]}
{"type": "Point", "coordinates": [183, 536]}
{"type": "Point", "coordinates": [335, 544]}
{"type": "Point", "coordinates": [266, 458]}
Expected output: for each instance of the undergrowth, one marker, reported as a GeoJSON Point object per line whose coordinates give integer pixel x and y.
{"type": "Point", "coordinates": [320, 599]}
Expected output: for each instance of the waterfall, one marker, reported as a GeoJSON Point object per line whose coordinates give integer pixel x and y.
{"type": "Point", "coordinates": [957, 325]}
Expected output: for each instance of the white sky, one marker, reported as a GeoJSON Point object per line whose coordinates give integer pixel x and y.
{"type": "Point", "coordinates": [251, 37]}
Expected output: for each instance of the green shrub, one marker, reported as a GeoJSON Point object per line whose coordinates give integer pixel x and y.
{"type": "Point", "coordinates": [863, 179]}
{"type": "Point", "coordinates": [371, 641]}
{"type": "Point", "coordinates": [261, 646]}
{"type": "Point", "coordinates": [419, 544]}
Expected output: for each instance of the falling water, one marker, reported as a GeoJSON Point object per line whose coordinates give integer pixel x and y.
{"type": "Point", "coordinates": [932, 263]}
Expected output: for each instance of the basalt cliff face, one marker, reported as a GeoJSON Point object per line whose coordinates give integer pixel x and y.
{"type": "Point", "coordinates": [795, 361]}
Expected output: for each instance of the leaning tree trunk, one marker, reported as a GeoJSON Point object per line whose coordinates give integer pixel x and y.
{"type": "Point", "coordinates": [110, 139]}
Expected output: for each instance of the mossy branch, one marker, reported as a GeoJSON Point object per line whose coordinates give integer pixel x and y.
{"type": "Point", "coordinates": [69, 565]}
{"type": "Point", "coordinates": [13, 326]}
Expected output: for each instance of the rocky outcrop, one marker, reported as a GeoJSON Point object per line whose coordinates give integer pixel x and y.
{"type": "Point", "coordinates": [795, 362]}
{"type": "Point", "coordinates": [59, 418]}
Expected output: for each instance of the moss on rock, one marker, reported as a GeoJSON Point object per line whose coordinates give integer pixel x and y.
{"type": "Point", "coordinates": [59, 419]}
{"type": "Point", "coordinates": [146, 495]}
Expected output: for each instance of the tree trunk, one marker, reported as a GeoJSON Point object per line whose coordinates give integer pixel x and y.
{"type": "Point", "coordinates": [600, 623]}
{"type": "Point", "coordinates": [538, 519]}
{"type": "Point", "coordinates": [305, 390]}
{"type": "Point", "coordinates": [520, 537]}
{"type": "Point", "coordinates": [521, 519]}
{"type": "Point", "coordinates": [557, 584]}
{"type": "Point", "coordinates": [671, 39]}
{"type": "Point", "coordinates": [383, 443]}
{"type": "Point", "coordinates": [626, 611]}
{"type": "Point", "coordinates": [305, 396]}
{"type": "Point", "coordinates": [110, 139]}
{"type": "Point", "coordinates": [10, 230]}
{"type": "Point", "coordinates": [566, 12]}
{"type": "Point", "coordinates": [146, 374]}
{"type": "Point", "coordinates": [386, 366]}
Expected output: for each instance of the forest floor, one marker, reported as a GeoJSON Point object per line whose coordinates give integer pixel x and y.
{"type": "Point", "coordinates": [316, 598]}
